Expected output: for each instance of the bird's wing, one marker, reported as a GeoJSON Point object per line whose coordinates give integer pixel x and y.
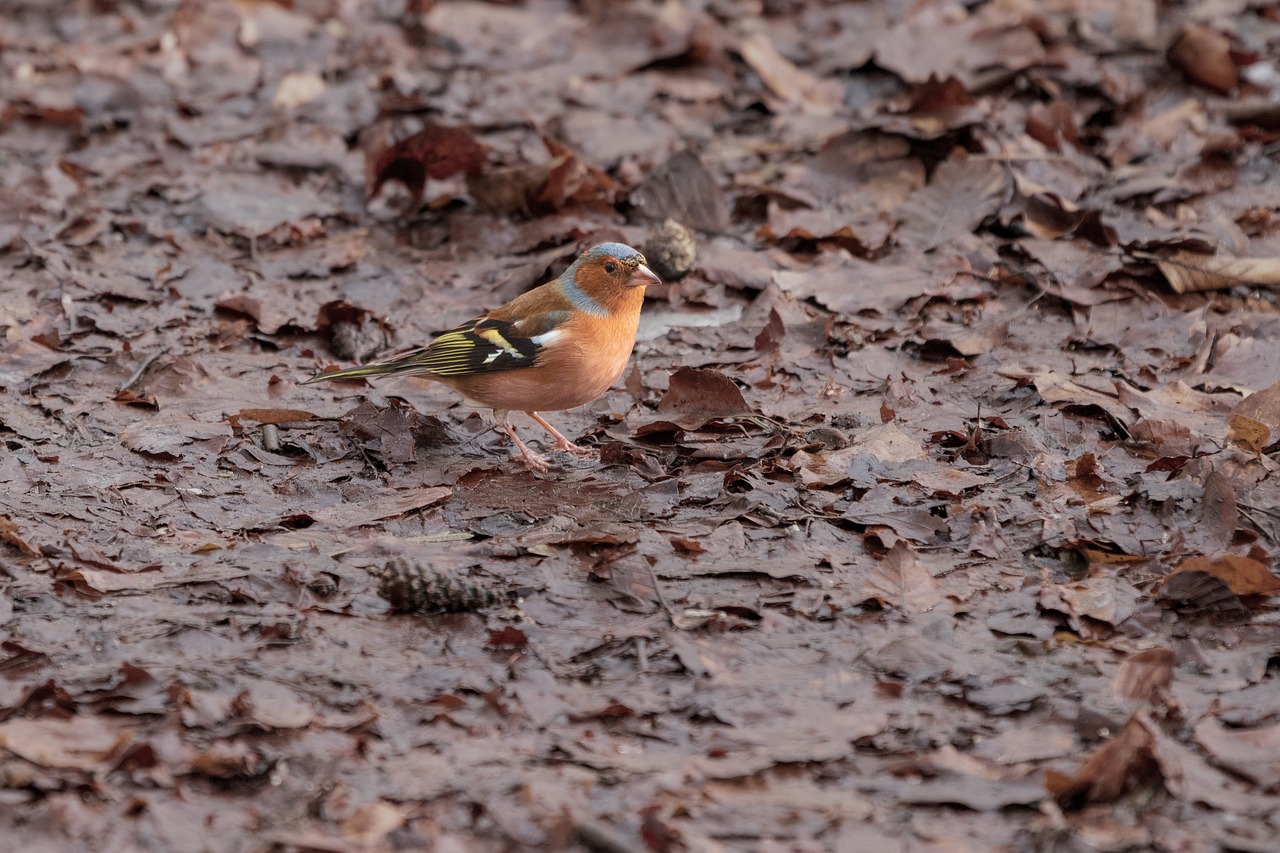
{"type": "Point", "coordinates": [483, 345]}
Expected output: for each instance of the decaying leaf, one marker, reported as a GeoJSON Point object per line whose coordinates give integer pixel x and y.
{"type": "Point", "coordinates": [1123, 764]}
{"type": "Point", "coordinates": [1253, 434]}
{"type": "Point", "coordinates": [900, 580]}
{"type": "Point", "coordinates": [1145, 675]}
{"type": "Point", "coordinates": [962, 193]}
{"type": "Point", "coordinates": [696, 397]}
{"type": "Point", "coordinates": [684, 190]}
{"type": "Point", "coordinates": [435, 151]}
{"type": "Point", "coordinates": [1256, 418]}
{"type": "Point", "coordinates": [786, 80]}
{"type": "Point", "coordinates": [1189, 272]}
{"type": "Point", "coordinates": [1242, 575]}
{"type": "Point", "coordinates": [172, 434]}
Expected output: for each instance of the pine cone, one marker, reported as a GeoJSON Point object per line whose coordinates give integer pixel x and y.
{"type": "Point", "coordinates": [414, 588]}
{"type": "Point", "coordinates": [671, 251]}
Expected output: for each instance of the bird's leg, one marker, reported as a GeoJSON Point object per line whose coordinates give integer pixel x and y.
{"type": "Point", "coordinates": [534, 461]}
{"type": "Point", "coordinates": [562, 443]}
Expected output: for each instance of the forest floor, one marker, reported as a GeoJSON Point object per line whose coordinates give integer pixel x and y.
{"type": "Point", "coordinates": [938, 511]}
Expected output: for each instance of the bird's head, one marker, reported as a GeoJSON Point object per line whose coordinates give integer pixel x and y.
{"type": "Point", "coordinates": [611, 267]}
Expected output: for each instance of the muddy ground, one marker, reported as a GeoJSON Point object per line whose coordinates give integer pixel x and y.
{"type": "Point", "coordinates": [938, 512]}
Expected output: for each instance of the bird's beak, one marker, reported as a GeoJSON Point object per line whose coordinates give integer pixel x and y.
{"type": "Point", "coordinates": [644, 276]}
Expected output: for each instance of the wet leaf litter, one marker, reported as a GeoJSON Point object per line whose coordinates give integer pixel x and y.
{"type": "Point", "coordinates": [936, 506]}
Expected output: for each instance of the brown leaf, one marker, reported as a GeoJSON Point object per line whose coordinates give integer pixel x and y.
{"type": "Point", "coordinates": [1251, 753]}
{"type": "Point", "coordinates": [900, 580]}
{"type": "Point", "coordinates": [1105, 598]}
{"type": "Point", "coordinates": [1190, 272]}
{"type": "Point", "coordinates": [1204, 55]}
{"type": "Point", "coordinates": [508, 637]}
{"type": "Point", "coordinates": [11, 533]}
{"type": "Point", "coordinates": [633, 579]}
{"type": "Point", "coordinates": [269, 315]}
{"type": "Point", "coordinates": [1256, 418]}
{"type": "Point", "coordinates": [772, 334]}
{"type": "Point", "coordinates": [935, 95]}
{"type": "Point", "coordinates": [1253, 434]}
{"type": "Point", "coordinates": [434, 152]}
{"type": "Point", "coordinates": [398, 429]}
{"type": "Point", "coordinates": [1191, 779]}
{"type": "Point", "coordinates": [81, 743]}
{"type": "Point", "coordinates": [682, 189]}
{"type": "Point", "coordinates": [1052, 124]}
{"type": "Point", "coordinates": [96, 582]}
{"type": "Point", "coordinates": [697, 396]}
{"type": "Point", "coordinates": [938, 40]}
{"type": "Point", "coordinates": [1242, 575]}
{"type": "Point", "coordinates": [170, 434]}
{"type": "Point", "coordinates": [1144, 675]}
{"type": "Point", "coordinates": [1220, 508]}
{"type": "Point", "coordinates": [570, 181]}
{"type": "Point", "coordinates": [786, 80]}
{"type": "Point", "coordinates": [507, 189]}
{"type": "Point", "coordinates": [1198, 592]}
{"type": "Point", "coordinates": [251, 207]}
{"type": "Point", "coordinates": [367, 512]}
{"type": "Point", "coordinates": [963, 192]}
{"type": "Point", "coordinates": [849, 285]}
{"type": "Point", "coordinates": [269, 416]}
{"type": "Point", "coordinates": [1055, 387]}
{"type": "Point", "coordinates": [1124, 763]}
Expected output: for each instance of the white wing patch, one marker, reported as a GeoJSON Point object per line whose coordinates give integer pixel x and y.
{"type": "Point", "coordinates": [546, 338]}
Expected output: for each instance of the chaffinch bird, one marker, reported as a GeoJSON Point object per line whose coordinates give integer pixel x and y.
{"type": "Point", "coordinates": [557, 347]}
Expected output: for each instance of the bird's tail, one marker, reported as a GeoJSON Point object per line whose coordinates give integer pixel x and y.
{"type": "Point", "coordinates": [377, 368]}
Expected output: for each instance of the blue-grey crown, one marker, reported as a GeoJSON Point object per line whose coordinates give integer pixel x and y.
{"type": "Point", "coordinates": [621, 251]}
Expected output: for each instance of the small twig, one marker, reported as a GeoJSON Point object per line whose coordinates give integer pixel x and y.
{"type": "Point", "coordinates": [142, 369]}
{"type": "Point", "coordinates": [601, 838]}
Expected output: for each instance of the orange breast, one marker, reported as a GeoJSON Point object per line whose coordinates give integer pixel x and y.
{"type": "Point", "coordinates": [570, 372]}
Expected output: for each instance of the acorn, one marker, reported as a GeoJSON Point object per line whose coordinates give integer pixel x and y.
{"type": "Point", "coordinates": [671, 251]}
{"type": "Point", "coordinates": [414, 588]}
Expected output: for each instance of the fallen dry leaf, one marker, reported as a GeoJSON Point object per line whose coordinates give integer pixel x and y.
{"type": "Point", "coordinates": [1256, 418]}
{"type": "Point", "coordinates": [367, 512]}
{"type": "Point", "coordinates": [1251, 753]}
{"type": "Point", "coordinates": [79, 742]}
{"type": "Point", "coordinates": [787, 81]}
{"type": "Point", "coordinates": [695, 397]}
{"type": "Point", "coordinates": [1242, 575]}
{"type": "Point", "coordinates": [1145, 675]}
{"type": "Point", "coordinates": [961, 194]}
{"type": "Point", "coordinates": [1253, 434]}
{"type": "Point", "coordinates": [1190, 272]}
{"type": "Point", "coordinates": [900, 580]}
{"type": "Point", "coordinates": [1123, 764]}
{"type": "Point", "coordinates": [435, 151]}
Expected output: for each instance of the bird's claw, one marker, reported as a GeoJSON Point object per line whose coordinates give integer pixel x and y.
{"type": "Point", "coordinates": [535, 462]}
{"type": "Point", "coordinates": [575, 450]}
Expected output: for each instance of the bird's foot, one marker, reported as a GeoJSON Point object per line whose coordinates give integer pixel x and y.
{"type": "Point", "coordinates": [535, 462]}
{"type": "Point", "coordinates": [562, 443]}
{"type": "Point", "coordinates": [575, 449]}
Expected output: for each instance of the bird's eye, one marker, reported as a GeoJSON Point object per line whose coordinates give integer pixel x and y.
{"type": "Point", "coordinates": [610, 267]}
